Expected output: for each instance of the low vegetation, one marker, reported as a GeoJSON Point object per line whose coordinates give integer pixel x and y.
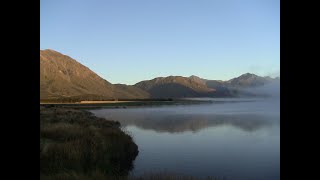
{"type": "Point", "coordinates": [75, 144]}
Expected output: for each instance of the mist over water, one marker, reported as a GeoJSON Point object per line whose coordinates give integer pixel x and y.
{"type": "Point", "coordinates": [271, 90]}
{"type": "Point", "coordinates": [235, 138]}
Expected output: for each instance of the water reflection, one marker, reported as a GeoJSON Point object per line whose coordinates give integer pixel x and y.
{"type": "Point", "coordinates": [236, 140]}
{"type": "Point", "coordinates": [166, 121]}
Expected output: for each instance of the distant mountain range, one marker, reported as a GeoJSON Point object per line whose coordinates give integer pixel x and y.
{"type": "Point", "coordinates": [62, 77]}
{"type": "Point", "coordinates": [193, 86]}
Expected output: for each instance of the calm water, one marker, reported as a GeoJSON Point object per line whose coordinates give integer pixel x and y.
{"type": "Point", "coordinates": [231, 138]}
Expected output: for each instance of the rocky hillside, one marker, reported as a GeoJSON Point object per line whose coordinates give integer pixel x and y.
{"type": "Point", "coordinates": [63, 77]}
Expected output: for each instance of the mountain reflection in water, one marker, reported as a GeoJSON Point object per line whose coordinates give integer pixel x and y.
{"type": "Point", "coordinates": [231, 138]}
{"type": "Point", "coordinates": [177, 123]}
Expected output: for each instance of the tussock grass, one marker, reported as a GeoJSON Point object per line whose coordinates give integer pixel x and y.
{"type": "Point", "coordinates": [75, 144]}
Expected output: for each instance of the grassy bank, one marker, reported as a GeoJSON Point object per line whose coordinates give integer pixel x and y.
{"type": "Point", "coordinates": [75, 144]}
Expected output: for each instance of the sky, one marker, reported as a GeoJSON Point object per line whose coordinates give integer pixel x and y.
{"type": "Point", "coordinates": [126, 41]}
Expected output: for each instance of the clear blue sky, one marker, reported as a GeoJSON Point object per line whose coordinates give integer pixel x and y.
{"type": "Point", "coordinates": [126, 41]}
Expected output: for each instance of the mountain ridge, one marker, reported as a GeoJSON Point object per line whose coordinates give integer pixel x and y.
{"type": "Point", "coordinates": [194, 86]}
{"type": "Point", "coordinates": [63, 77]}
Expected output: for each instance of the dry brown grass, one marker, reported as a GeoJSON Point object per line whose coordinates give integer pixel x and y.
{"type": "Point", "coordinates": [75, 143]}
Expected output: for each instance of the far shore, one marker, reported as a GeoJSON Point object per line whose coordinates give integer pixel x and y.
{"type": "Point", "coordinates": [88, 102]}
{"type": "Point", "coordinates": [123, 103]}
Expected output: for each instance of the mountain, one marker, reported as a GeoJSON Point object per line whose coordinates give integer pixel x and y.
{"type": "Point", "coordinates": [249, 80]}
{"type": "Point", "coordinates": [175, 86]}
{"type": "Point", "coordinates": [193, 86]}
{"type": "Point", "coordinates": [178, 86]}
{"type": "Point", "coordinates": [218, 85]}
{"type": "Point", "coordinates": [129, 92]}
{"type": "Point", "coordinates": [63, 77]}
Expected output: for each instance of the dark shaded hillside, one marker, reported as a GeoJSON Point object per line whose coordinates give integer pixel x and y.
{"type": "Point", "coordinates": [130, 92]}
{"type": "Point", "coordinates": [173, 90]}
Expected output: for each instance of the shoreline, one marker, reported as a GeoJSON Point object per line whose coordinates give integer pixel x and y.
{"type": "Point", "coordinates": [124, 104]}
{"type": "Point", "coordinates": [89, 102]}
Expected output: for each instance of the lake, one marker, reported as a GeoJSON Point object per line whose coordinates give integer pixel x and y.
{"type": "Point", "coordinates": [232, 138]}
